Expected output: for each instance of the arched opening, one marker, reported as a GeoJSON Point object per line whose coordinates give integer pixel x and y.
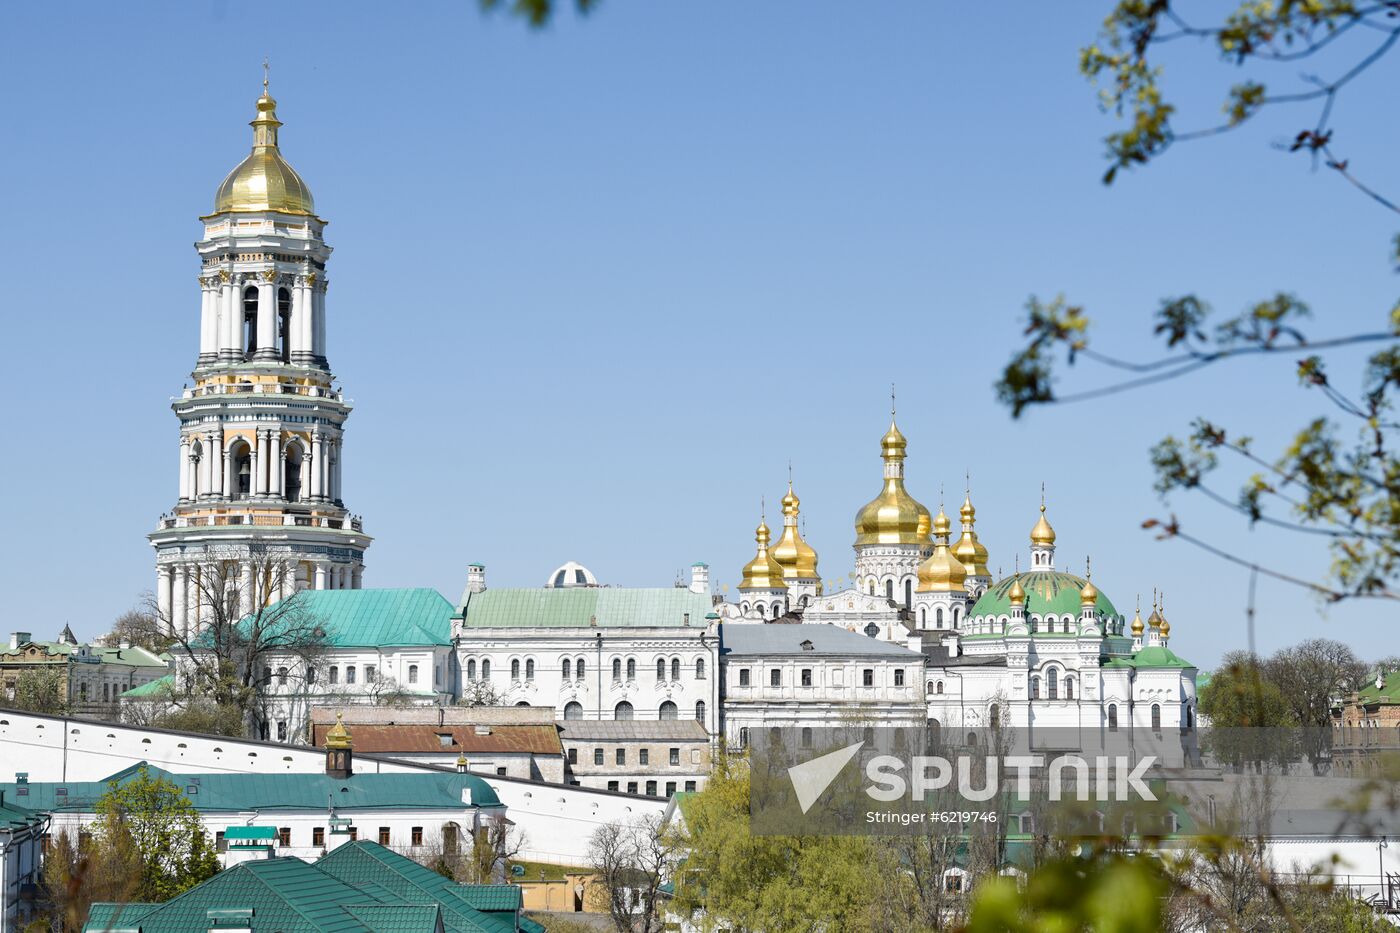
{"type": "Point", "coordinates": [1113, 717]}
{"type": "Point", "coordinates": [568, 665]}
{"type": "Point", "coordinates": [1156, 717]}
{"type": "Point", "coordinates": [889, 589]}
{"type": "Point", "coordinates": [529, 668]}
{"type": "Point", "coordinates": [1035, 688]}
{"type": "Point", "coordinates": [617, 669]}
{"type": "Point", "coordinates": [932, 734]}
{"type": "Point", "coordinates": [699, 668]}
{"type": "Point", "coordinates": [938, 687]}
{"type": "Point", "coordinates": [284, 325]}
{"type": "Point", "coordinates": [486, 670]}
{"type": "Point", "coordinates": [1052, 679]}
{"type": "Point", "coordinates": [622, 710]}
{"type": "Point", "coordinates": [994, 715]}
{"type": "Point", "coordinates": [776, 610]}
{"type": "Point", "coordinates": [631, 668]}
{"type": "Point", "coordinates": [578, 669]}
{"type": "Point", "coordinates": [250, 321]}
{"type": "Point", "coordinates": [515, 669]}
{"type": "Point", "coordinates": [1069, 688]}
{"type": "Point", "coordinates": [908, 593]}
{"type": "Point", "coordinates": [675, 669]}
{"type": "Point", "coordinates": [241, 466]}
{"type": "Point", "coordinates": [291, 473]}
{"type": "Point", "coordinates": [471, 669]}
{"type": "Point", "coordinates": [938, 617]}
{"type": "Point", "coordinates": [573, 710]}
{"type": "Point", "coordinates": [699, 710]}
{"type": "Point", "coordinates": [660, 668]}
{"type": "Point", "coordinates": [667, 710]}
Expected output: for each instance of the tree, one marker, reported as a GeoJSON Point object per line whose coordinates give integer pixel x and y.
{"type": "Point", "coordinates": [202, 716]}
{"type": "Point", "coordinates": [494, 844]}
{"type": "Point", "coordinates": [245, 629]}
{"type": "Point", "coordinates": [42, 690]}
{"type": "Point", "coordinates": [141, 628]}
{"type": "Point", "coordinates": [148, 816]}
{"type": "Point", "coordinates": [1251, 723]}
{"type": "Point", "coordinates": [78, 873]}
{"type": "Point", "coordinates": [1323, 483]}
{"type": "Point", "coordinates": [478, 693]}
{"type": "Point", "coordinates": [630, 861]}
{"type": "Point", "coordinates": [1312, 677]}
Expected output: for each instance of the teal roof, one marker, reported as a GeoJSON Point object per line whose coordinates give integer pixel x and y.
{"type": "Point", "coordinates": [12, 816]}
{"type": "Point", "coordinates": [1387, 692]}
{"type": "Point", "coordinates": [251, 832]}
{"type": "Point", "coordinates": [1047, 591]}
{"type": "Point", "coordinates": [579, 607]}
{"type": "Point", "coordinates": [133, 656]}
{"type": "Point", "coordinates": [358, 886]}
{"type": "Point", "coordinates": [152, 689]}
{"type": "Point", "coordinates": [272, 792]}
{"type": "Point", "coordinates": [491, 896]}
{"type": "Point", "coordinates": [1155, 657]}
{"type": "Point", "coordinates": [388, 618]}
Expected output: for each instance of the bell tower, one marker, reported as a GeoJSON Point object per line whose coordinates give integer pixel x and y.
{"type": "Point", "coordinates": [260, 511]}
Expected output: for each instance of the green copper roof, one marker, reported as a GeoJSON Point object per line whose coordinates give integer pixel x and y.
{"type": "Point", "coordinates": [152, 689]}
{"type": "Point", "coordinates": [133, 656]}
{"type": "Point", "coordinates": [387, 918]}
{"type": "Point", "coordinates": [1155, 657]}
{"type": "Point", "coordinates": [251, 832]}
{"type": "Point", "coordinates": [1047, 591]}
{"type": "Point", "coordinates": [272, 792]}
{"type": "Point", "coordinates": [1388, 691]}
{"type": "Point", "coordinates": [491, 896]}
{"type": "Point", "coordinates": [579, 607]}
{"type": "Point", "coordinates": [389, 618]}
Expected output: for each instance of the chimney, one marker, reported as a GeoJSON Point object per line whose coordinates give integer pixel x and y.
{"type": "Point", "coordinates": [699, 577]}
{"type": "Point", "coordinates": [476, 578]}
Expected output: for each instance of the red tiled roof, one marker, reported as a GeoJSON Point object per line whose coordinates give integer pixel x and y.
{"type": "Point", "coordinates": [534, 739]}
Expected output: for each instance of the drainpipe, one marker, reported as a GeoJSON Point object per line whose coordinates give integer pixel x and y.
{"type": "Point", "coordinates": [598, 672]}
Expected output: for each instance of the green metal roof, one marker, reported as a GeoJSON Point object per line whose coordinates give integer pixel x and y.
{"type": "Point", "coordinates": [583, 607]}
{"type": "Point", "coordinates": [154, 689]}
{"type": "Point", "coordinates": [251, 832]}
{"type": "Point", "coordinates": [133, 656]}
{"type": "Point", "coordinates": [491, 896]}
{"type": "Point", "coordinates": [1046, 591]}
{"type": "Point", "coordinates": [387, 618]}
{"type": "Point", "coordinates": [358, 886]}
{"type": "Point", "coordinates": [1155, 657]}
{"type": "Point", "coordinates": [271, 792]}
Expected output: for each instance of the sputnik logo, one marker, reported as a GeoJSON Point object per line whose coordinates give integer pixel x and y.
{"type": "Point", "coordinates": [811, 778]}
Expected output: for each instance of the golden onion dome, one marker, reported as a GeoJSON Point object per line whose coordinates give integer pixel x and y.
{"type": "Point", "coordinates": [894, 516]}
{"type": "Point", "coordinates": [338, 736]}
{"type": "Point", "coordinates": [1017, 593]}
{"type": "Point", "coordinates": [763, 572]}
{"type": "Point", "coordinates": [1162, 614]}
{"type": "Point", "coordinates": [1137, 623]}
{"type": "Point", "coordinates": [793, 554]}
{"type": "Point", "coordinates": [1089, 595]}
{"type": "Point", "coordinates": [942, 526]}
{"type": "Point", "coordinates": [264, 181]}
{"type": "Point", "coordinates": [1042, 534]}
{"type": "Point", "coordinates": [969, 551]}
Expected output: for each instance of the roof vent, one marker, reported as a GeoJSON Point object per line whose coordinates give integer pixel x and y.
{"type": "Point", "coordinates": [807, 645]}
{"type": "Point", "coordinates": [482, 730]}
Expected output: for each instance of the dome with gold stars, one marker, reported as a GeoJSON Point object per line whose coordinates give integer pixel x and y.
{"type": "Point", "coordinates": [894, 516]}
{"type": "Point", "coordinates": [793, 554]}
{"type": "Point", "coordinates": [264, 181]}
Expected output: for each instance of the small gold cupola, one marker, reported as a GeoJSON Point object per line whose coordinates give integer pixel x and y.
{"type": "Point", "coordinates": [338, 754]}
{"type": "Point", "coordinates": [941, 572]}
{"type": "Point", "coordinates": [793, 554]}
{"type": "Point", "coordinates": [969, 551]}
{"type": "Point", "coordinates": [1042, 540]}
{"type": "Point", "coordinates": [264, 181]}
{"type": "Point", "coordinates": [1138, 626]}
{"type": "Point", "coordinates": [1088, 594]}
{"type": "Point", "coordinates": [763, 572]}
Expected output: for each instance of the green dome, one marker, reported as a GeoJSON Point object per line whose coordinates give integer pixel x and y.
{"type": "Point", "coordinates": [1047, 592]}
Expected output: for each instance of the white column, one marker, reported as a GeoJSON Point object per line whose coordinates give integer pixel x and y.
{"type": "Point", "coordinates": [305, 474]}
{"type": "Point", "coordinates": [231, 347]}
{"type": "Point", "coordinates": [335, 471]}
{"type": "Point", "coordinates": [301, 321]}
{"type": "Point", "coordinates": [318, 319]}
{"type": "Point", "coordinates": [255, 462]}
{"type": "Point", "coordinates": [179, 601]}
{"type": "Point", "coordinates": [301, 581]}
{"type": "Point", "coordinates": [277, 465]}
{"type": "Point", "coordinates": [230, 481]}
{"type": "Point", "coordinates": [247, 589]}
{"type": "Point", "coordinates": [357, 576]}
{"type": "Point", "coordinates": [165, 576]}
{"type": "Point", "coordinates": [317, 467]}
{"type": "Point", "coordinates": [267, 320]}
{"type": "Point", "coordinates": [191, 469]}
{"type": "Point", "coordinates": [184, 468]}
{"type": "Point", "coordinates": [208, 324]}
{"type": "Point", "coordinates": [320, 576]}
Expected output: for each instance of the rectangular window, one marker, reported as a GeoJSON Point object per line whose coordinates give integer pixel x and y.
{"type": "Point", "coordinates": [573, 756]}
{"type": "Point", "coordinates": [651, 788]}
{"type": "Point", "coordinates": [775, 678]}
{"type": "Point", "coordinates": [335, 674]}
{"type": "Point", "coordinates": [670, 789]}
{"type": "Point", "coordinates": [350, 673]}
{"type": "Point", "coordinates": [867, 677]}
{"type": "Point", "coordinates": [644, 756]}
{"type": "Point", "coordinates": [384, 835]}
{"type": "Point", "coordinates": [369, 673]}
{"type": "Point", "coordinates": [354, 833]}
{"type": "Point", "coordinates": [612, 785]}
{"type": "Point", "coordinates": [621, 756]}
{"type": "Point", "coordinates": [675, 757]}
{"type": "Point", "coordinates": [743, 676]}
{"type": "Point", "coordinates": [899, 678]}
{"type": "Point", "coordinates": [281, 730]}
{"type": "Point", "coordinates": [597, 756]}
{"type": "Point", "coordinates": [631, 787]}
{"type": "Point", "coordinates": [318, 835]}
{"type": "Point", "coordinates": [806, 677]}
{"type": "Point", "coordinates": [500, 772]}
{"type": "Point", "coordinates": [416, 835]}
{"type": "Point", "coordinates": [220, 843]}
{"type": "Point", "coordinates": [284, 836]}
{"type": "Point", "coordinates": [689, 787]}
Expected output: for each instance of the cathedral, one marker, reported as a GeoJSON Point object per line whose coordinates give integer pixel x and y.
{"type": "Point", "coordinates": [261, 510]}
{"type": "Point", "coordinates": [1041, 647]}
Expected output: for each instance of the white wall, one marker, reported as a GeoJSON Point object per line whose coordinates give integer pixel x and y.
{"type": "Point", "coordinates": [557, 820]}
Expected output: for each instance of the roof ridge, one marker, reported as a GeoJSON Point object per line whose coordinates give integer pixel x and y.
{"type": "Point", "coordinates": [291, 905]}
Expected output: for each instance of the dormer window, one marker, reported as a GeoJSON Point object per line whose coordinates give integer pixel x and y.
{"type": "Point", "coordinates": [807, 645]}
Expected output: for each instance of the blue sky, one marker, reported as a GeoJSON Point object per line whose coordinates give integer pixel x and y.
{"type": "Point", "coordinates": [595, 286]}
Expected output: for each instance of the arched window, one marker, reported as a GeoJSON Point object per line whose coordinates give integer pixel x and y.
{"type": "Point", "coordinates": [932, 733]}
{"type": "Point", "coordinates": [928, 687]}
{"type": "Point", "coordinates": [413, 673]}
{"type": "Point", "coordinates": [889, 589]}
{"type": "Point", "coordinates": [908, 593]}
{"type": "Point", "coordinates": [515, 669]}
{"type": "Point", "coordinates": [676, 669]}
{"type": "Point", "coordinates": [666, 711]}
{"type": "Point", "coordinates": [622, 710]}
{"type": "Point", "coordinates": [922, 618]}
{"type": "Point", "coordinates": [578, 669]}
{"type": "Point", "coordinates": [486, 670]}
{"type": "Point", "coordinates": [994, 715]}
{"type": "Point", "coordinates": [567, 667]}
{"type": "Point", "coordinates": [617, 669]}
{"type": "Point", "coordinates": [699, 710]}
{"type": "Point", "coordinates": [1035, 688]}
{"type": "Point", "coordinates": [284, 325]}
{"type": "Point", "coordinates": [281, 676]}
{"type": "Point", "coordinates": [471, 669]}
{"type": "Point", "coordinates": [938, 617]}
{"type": "Point", "coordinates": [660, 668]}
{"type": "Point", "coordinates": [291, 475]}
{"type": "Point", "coordinates": [529, 668]}
{"type": "Point", "coordinates": [1069, 688]}
{"type": "Point", "coordinates": [242, 470]}
{"type": "Point", "coordinates": [1052, 679]}
{"type": "Point", "coordinates": [699, 668]}
{"type": "Point", "coordinates": [631, 668]}
{"type": "Point", "coordinates": [957, 615]}
{"type": "Point", "coordinates": [573, 710]}
{"type": "Point", "coordinates": [938, 688]}
{"type": "Point", "coordinates": [1190, 718]}
{"type": "Point", "coordinates": [250, 321]}
{"type": "Point", "coordinates": [777, 610]}
{"type": "Point", "coordinates": [744, 737]}
{"type": "Point", "coordinates": [1156, 717]}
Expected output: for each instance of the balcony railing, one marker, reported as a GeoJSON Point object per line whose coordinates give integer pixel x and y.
{"type": "Point", "coordinates": [354, 523]}
{"type": "Point", "coordinates": [262, 388]}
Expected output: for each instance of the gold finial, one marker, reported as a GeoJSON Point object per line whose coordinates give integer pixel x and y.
{"type": "Point", "coordinates": [1088, 570]}
{"type": "Point", "coordinates": [267, 70]}
{"type": "Point", "coordinates": [1042, 495]}
{"type": "Point", "coordinates": [891, 403]}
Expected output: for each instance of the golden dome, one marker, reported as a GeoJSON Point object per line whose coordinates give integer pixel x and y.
{"type": "Point", "coordinates": [1162, 614]}
{"type": "Point", "coordinates": [1042, 534]}
{"type": "Point", "coordinates": [970, 552]}
{"type": "Point", "coordinates": [794, 555]}
{"type": "Point", "coordinates": [941, 572]}
{"type": "Point", "coordinates": [894, 516]}
{"type": "Point", "coordinates": [763, 572]}
{"type": "Point", "coordinates": [1017, 593]}
{"type": "Point", "coordinates": [1089, 595]}
{"type": "Point", "coordinates": [338, 736]}
{"type": "Point", "coordinates": [1137, 623]}
{"type": "Point", "coordinates": [264, 181]}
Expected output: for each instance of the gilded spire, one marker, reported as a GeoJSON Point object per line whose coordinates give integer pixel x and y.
{"type": "Point", "coordinates": [763, 572]}
{"type": "Point", "coordinates": [796, 557]}
{"type": "Point", "coordinates": [970, 552]}
{"type": "Point", "coordinates": [1154, 620]}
